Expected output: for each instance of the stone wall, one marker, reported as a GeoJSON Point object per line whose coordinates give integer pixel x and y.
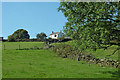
{"type": "Point", "coordinates": [66, 51]}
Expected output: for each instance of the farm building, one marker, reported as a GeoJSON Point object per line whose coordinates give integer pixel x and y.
{"type": "Point", "coordinates": [1, 38]}
{"type": "Point", "coordinates": [57, 35]}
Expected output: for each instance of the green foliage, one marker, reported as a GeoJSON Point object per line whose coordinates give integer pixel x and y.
{"type": "Point", "coordinates": [11, 38]}
{"type": "Point", "coordinates": [41, 36]}
{"type": "Point", "coordinates": [64, 50]}
{"type": "Point", "coordinates": [91, 24]}
{"type": "Point", "coordinates": [19, 34]}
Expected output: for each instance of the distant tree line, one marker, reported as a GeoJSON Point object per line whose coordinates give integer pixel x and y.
{"type": "Point", "coordinates": [22, 35]}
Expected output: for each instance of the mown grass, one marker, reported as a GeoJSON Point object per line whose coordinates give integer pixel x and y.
{"type": "Point", "coordinates": [45, 64]}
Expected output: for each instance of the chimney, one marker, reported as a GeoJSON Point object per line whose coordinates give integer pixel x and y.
{"type": "Point", "coordinates": [60, 31]}
{"type": "Point", "coordinates": [52, 32]}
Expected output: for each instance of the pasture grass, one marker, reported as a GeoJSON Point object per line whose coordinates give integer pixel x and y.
{"type": "Point", "coordinates": [45, 64]}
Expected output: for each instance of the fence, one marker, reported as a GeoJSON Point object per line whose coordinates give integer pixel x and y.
{"type": "Point", "coordinates": [22, 45]}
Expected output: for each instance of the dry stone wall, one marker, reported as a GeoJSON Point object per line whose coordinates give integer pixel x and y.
{"type": "Point", "coordinates": [66, 51]}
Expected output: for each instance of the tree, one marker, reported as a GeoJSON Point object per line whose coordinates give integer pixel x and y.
{"type": "Point", "coordinates": [92, 24]}
{"type": "Point", "coordinates": [19, 34]}
{"type": "Point", "coordinates": [11, 38]}
{"type": "Point", "coordinates": [42, 36]}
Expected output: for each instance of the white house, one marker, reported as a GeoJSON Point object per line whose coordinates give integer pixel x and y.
{"type": "Point", "coordinates": [56, 35]}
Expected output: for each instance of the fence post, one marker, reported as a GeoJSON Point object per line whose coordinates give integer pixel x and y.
{"type": "Point", "coordinates": [4, 46]}
{"type": "Point", "coordinates": [19, 46]}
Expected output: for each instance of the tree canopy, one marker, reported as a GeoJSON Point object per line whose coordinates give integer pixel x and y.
{"type": "Point", "coordinates": [41, 36]}
{"type": "Point", "coordinates": [19, 34]}
{"type": "Point", "coordinates": [92, 24]}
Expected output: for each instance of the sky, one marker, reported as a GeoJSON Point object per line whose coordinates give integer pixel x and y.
{"type": "Point", "coordinates": [35, 17]}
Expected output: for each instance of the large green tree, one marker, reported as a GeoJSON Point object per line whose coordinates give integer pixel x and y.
{"type": "Point", "coordinates": [19, 34]}
{"type": "Point", "coordinates": [92, 24]}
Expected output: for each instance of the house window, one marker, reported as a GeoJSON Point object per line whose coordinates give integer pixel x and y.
{"type": "Point", "coordinates": [55, 35]}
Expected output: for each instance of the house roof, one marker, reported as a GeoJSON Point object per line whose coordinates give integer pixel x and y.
{"type": "Point", "coordinates": [55, 33]}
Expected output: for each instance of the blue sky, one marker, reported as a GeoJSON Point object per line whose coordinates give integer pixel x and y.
{"type": "Point", "coordinates": [35, 17]}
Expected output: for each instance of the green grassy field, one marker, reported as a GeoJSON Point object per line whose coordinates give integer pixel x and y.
{"type": "Point", "coordinates": [45, 64]}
